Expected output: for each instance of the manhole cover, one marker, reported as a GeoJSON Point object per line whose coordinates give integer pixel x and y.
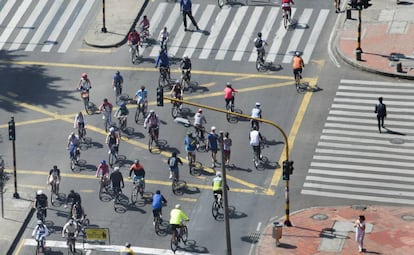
{"type": "Point", "coordinates": [359, 207]}
{"type": "Point", "coordinates": [319, 216]}
{"type": "Point", "coordinates": [397, 141]}
{"type": "Point", "coordinates": [407, 217]}
{"type": "Point", "coordinates": [254, 237]}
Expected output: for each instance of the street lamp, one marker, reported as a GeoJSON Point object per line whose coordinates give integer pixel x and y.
{"type": "Point", "coordinates": [358, 50]}
{"type": "Point", "coordinates": [103, 29]}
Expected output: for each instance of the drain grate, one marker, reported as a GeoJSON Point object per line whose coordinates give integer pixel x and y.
{"type": "Point", "coordinates": [408, 217]}
{"type": "Point", "coordinates": [319, 216]}
{"type": "Point", "coordinates": [254, 237]}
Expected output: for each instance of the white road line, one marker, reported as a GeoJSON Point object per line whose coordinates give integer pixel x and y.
{"type": "Point", "coordinates": [195, 37]}
{"type": "Point", "coordinates": [297, 36]}
{"type": "Point", "coordinates": [360, 140]}
{"type": "Point", "coordinates": [231, 32]}
{"type": "Point", "coordinates": [13, 22]}
{"type": "Point", "coordinates": [370, 121]}
{"type": "Point", "coordinates": [253, 244]}
{"type": "Point", "coordinates": [367, 114]}
{"type": "Point", "coordinates": [372, 101]}
{"type": "Point", "coordinates": [351, 160]}
{"type": "Point", "coordinates": [369, 108]}
{"type": "Point", "coordinates": [59, 26]}
{"type": "Point", "coordinates": [358, 197]}
{"type": "Point", "coordinates": [108, 248]}
{"type": "Point", "coordinates": [359, 175]}
{"type": "Point", "coordinates": [29, 25]}
{"type": "Point", "coordinates": [377, 89]}
{"type": "Point", "coordinates": [383, 155]}
{"type": "Point", "coordinates": [72, 32]}
{"type": "Point", "coordinates": [316, 31]}
{"type": "Point", "coordinates": [405, 131]}
{"type": "Point", "coordinates": [246, 37]}
{"type": "Point", "coordinates": [6, 10]}
{"type": "Point", "coordinates": [359, 190]}
{"type": "Point", "coordinates": [377, 83]}
{"type": "Point", "coordinates": [156, 26]}
{"type": "Point", "coordinates": [174, 14]}
{"type": "Point", "coordinates": [268, 25]}
{"type": "Point", "coordinates": [374, 94]}
{"type": "Point", "coordinates": [365, 147]}
{"type": "Point", "coordinates": [342, 167]}
{"type": "Point", "coordinates": [215, 31]}
{"type": "Point", "coordinates": [359, 182]}
{"type": "Point", "coordinates": [40, 31]}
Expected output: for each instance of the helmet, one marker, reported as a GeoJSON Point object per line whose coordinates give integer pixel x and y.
{"type": "Point", "coordinates": [177, 206]}
{"type": "Point", "coordinates": [228, 84]}
{"type": "Point", "coordinates": [259, 34]}
{"type": "Point", "coordinates": [128, 245]}
{"type": "Point", "coordinates": [185, 57]}
{"type": "Point", "coordinates": [200, 110]}
{"type": "Point", "coordinates": [117, 72]}
{"type": "Point", "coordinates": [55, 167]}
{"type": "Point", "coordinates": [174, 154]}
{"type": "Point", "coordinates": [218, 174]}
{"type": "Point", "coordinates": [297, 53]}
{"type": "Point", "coordinates": [258, 104]}
{"type": "Point", "coordinates": [84, 75]}
{"type": "Point", "coordinates": [152, 111]}
{"type": "Point", "coordinates": [39, 192]}
{"type": "Point", "coordinates": [136, 161]}
{"type": "Point", "coordinates": [111, 129]}
{"type": "Point", "coordinates": [158, 192]}
{"type": "Point", "coordinates": [39, 222]}
{"type": "Point", "coordinates": [177, 82]}
{"type": "Point", "coordinates": [103, 161]}
{"type": "Point", "coordinates": [254, 127]}
{"type": "Point", "coordinates": [116, 168]}
{"type": "Point", "coordinates": [142, 87]}
{"type": "Point", "coordinates": [105, 100]}
{"type": "Point", "coordinates": [122, 104]}
{"type": "Point", "coordinates": [71, 222]}
{"type": "Point", "coordinates": [213, 128]}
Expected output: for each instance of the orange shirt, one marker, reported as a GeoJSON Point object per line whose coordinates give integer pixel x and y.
{"type": "Point", "coordinates": [297, 62]}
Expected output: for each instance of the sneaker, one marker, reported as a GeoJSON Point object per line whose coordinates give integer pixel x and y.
{"type": "Point", "coordinates": [185, 29]}
{"type": "Point", "coordinates": [198, 28]}
{"type": "Point", "coordinates": [213, 165]}
{"type": "Point", "coordinates": [170, 176]}
{"type": "Point", "coordinates": [153, 223]}
{"type": "Point", "coordinates": [109, 152]}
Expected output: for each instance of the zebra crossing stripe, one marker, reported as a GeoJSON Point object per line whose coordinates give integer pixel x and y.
{"type": "Point", "coordinates": [369, 108]}
{"type": "Point", "coordinates": [245, 40]}
{"type": "Point", "coordinates": [374, 94]}
{"type": "Point", "coordinates": [367, 114]}
{"type": "Point", "coordinates": [359, 190]}
{"type": "Point", "coordinates": [59, 26]}
{"type": "Point", "coordinates": [174, 14]}
{"type": "Point", "coordinates": [13, 22]}
{"type": "Point", "coordinates": [158, 14]}
{"type": "Point", "coordinates": [76, 26]}
{"type": "Point", "coordinates": [215, 30]}
{"type": "Point", "coordinates": [231, 33]}
{"type": "Point", "coordinates": [6, 10]}
{"type": "Point", "coordinates": [362, 160]}
{"type": "Point", "coordinates": [344, 166]}
{"type": "Point", "coordinates": [29, 25]}
{"type": "Point", "coordinates": [297, 36]}
{"type": "Point", "coordinates": [364, 140]}
{"type": "Point", "coordinates": [365, 147]}
{"type": "Point", "coordinates": [372, 101]}
{"type": "Point", "coordinates": [360, 175]}
{"type": "Point", "coordinates": [378, 89]}
{"type": "Point", "coordinates": [195, 37]}
{"type": "Point", "coordinates": [269, 22]}
{"type": "Point", "coordinates": [376, 83]}
{"type": "Point", "coordinates": [40, 31]}
{"type": "Point", "coordinates": [359, 182]}
{"type": "Point", "coordinates": [365, 154]}
{"type": "Point", "coordinates": [316, 31]}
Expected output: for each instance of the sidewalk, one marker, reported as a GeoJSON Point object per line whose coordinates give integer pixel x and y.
{"type": "Point", "coordinates": [387, 30]}
{"type": "Point", "coordinates": [323, 231]}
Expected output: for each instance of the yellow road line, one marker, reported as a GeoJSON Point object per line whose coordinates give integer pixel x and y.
{"type": "Point", "coordinates": [207, 85]}
{"type": "Point", "coordinates": [28, 122]}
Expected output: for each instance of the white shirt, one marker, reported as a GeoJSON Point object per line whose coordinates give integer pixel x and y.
{"type": "Point", "coordinates": [254, 138]}
{"type": "Point", "coordinates": [256, 112]}
{"type": "Point", "coordinates": [199, 119]}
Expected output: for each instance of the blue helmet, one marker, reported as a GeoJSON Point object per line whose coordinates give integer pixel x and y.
{"type": "Point", "coordinates": [122, 104]}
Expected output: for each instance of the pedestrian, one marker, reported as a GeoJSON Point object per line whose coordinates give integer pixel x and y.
{"type": "Point", "coordinates": [227, 143]}
{"type": "Point", "coordinates": [186, 6]}
{"type": "Point", "coordinates": [212, 145]}
{"type": "Point", "coordinates": [360, 232]}
{"type": "Point", "coordinates": [381, 111]}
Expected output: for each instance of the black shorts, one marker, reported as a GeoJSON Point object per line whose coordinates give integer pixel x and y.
{"type": "Point", "coordinates": [175, 226]}
{"type": "Point", "coordinates": [156, 212]}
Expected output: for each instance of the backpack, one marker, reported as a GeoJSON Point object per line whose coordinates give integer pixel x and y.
{"type": "Point", "coordinates": [172, 162]}
{"type": "Point", "coordinates": [258, 43]}
{"type": "Point", "coordinates": [193, 142]}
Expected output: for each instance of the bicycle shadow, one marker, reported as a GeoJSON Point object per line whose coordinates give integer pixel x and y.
{"type": "Point", "coordinates": [192, 247]}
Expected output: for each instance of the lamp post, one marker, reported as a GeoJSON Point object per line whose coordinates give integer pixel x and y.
{"type": "Point", "coordinates": [12, 137]}
{"type": "Point", "coordinates": [103, 29]}
{"type": "Point", "coordinates": [358, 50]}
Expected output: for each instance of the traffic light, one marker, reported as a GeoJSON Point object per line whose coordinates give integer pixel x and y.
{"type": "Point", "coordinates": [291, 167]}
{"type": "Point", "coordinates": [12, 131]}
{"type": "Point", "coordinates": [160, 97]}
{"type": "Point", "coordinates": [286, 170]}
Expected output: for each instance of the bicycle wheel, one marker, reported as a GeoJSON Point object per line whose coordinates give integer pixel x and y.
{"type": "Point", "coordinates": [72, 163]}
{"type": "Point", "coordinates": [184, 234]}
{"type": "Point", "coordinates": [86, 105]}
{"type": "Point", "coordinates": [133, 55]}
{"type": "Point", "coordinates": [150, 142]}
{"type": "Point", "coordinates": [214, 209]}
{"type": "Point", "coordinates": [174, 242]}
{"type": "Point", "coordinates": [258, 64]}
{"type": "Point", "coordinates": [134, 195]}
{"type": "Point", "coordinates": [174, 111]}
{"type": "Point", "coordinates": [220, 3]}
{"type": "Point", "coordinates": [174, 186]}
{"type": "Point", "coordinates": [162, 81]}
{"type": "Point", "coordinates": [111, 159]}
{"type": "Point", "coordinates": [137, 113]}
{"type": "Point", "coordinates": [157, 225]}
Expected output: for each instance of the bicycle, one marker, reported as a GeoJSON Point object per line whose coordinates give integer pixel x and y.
{"type": "Point", "coordinates": [81, 224]}
{"type": "Point", "coordinates": [139, 187]}
{"type": "Point", "coordinates": [178, 236]}
{"type": "Point", "coordinates": [152, 138]}
{"type": "Point", "coordinates": [106, 116]}
{"type": "Point", "coordinates": [287, 17]}
{"type": "Point", "coordinates": [230, 107]}
{"type": "Point", "coordinates": [81, 133]}
{"type": "Point", "coordinates": [74, 159]}
{"type": "Point", "coordinates": [71, 241]}
{"type": "Point", "coordinates": [141, 110]}
{"type": "Point", "coordinates": [113, 155]}
{"type": "Point", "coordinates": [134, 50]}
{"type": "Point", "coordinates": [85, 98]}
{"type": "Point", "coordinates": [176, 109]}
{"type": "Point", "coordinates": [177, 185]}
{"type": "Point", "coordinates": [122, 123]}
{"type": "Point", "coordinates": [41, 213]}
{"type": "Point", "coordinates": [117, 90]}
{"type": "Point", "coordinates": [185, 81]}
{"type": "Point", "coordinates": [117, 191]}
{"type": "Point", "coordinates": [200, 139]}
{"type": "Point", "coordinates": [164, 79]}
{"type": "Point", "coordinates": [194, 166]}
{"type": "Point", "coordinates": [103, 185]}
{"type": "Point", "coordinates": [258, 158]}
{"type": "Point", "coordinates": [157, 223]}
{"type": "Point", "coordinates": [53, 190]}
{"type": "Point", "coordinates": [300, 88]}
{"type": "Point", "coordinates": [217, 208]}
{"type": "Point", "coordinates": [40, 247]}
{"type": "Point", "coordinates": [163, 44]}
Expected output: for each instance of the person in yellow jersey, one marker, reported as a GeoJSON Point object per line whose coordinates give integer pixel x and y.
{"type": "Point", "coordinates": [127, 250]}
{"type": "Point", "coordinates": [177, 216]}
{"type": "Point", "coordinates": [218, 186]}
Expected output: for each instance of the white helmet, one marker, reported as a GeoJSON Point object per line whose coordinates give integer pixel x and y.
{"type": "Point", "coordinates": [177, 206]}
{"type": "Point", "coordinates": [218, 174]}
{"type": "Point", "coordinates": [116, 168]}
{"type": "Point", "coordinates": [40, 192]}
{"type": "Point", "coordinates": [112, 129]}
{"type": "Point", "coordinates": [258, 104]}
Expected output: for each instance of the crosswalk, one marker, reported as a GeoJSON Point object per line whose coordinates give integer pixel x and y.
{"type": "Point", "coordinates": [231, 32]}
{"type": "Point", "coordinates": [352, 159]}
{"type": "Point", "coordinates": [41, 25]}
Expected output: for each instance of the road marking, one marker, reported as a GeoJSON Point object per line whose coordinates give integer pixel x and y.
{"type": "Point", "coordinates": [187, 199]}
{"type": "Point", "coordinates": [29, 122]}
{"type": "Point", "coordinates": [6, 10]}
{"type": "Point", "coordinates": [207, 85]}
{"type": "Point", "coordinates": [253, 244]}
{"type": "Point", "coordinates": [157, 15]}
{"type": "Point", "coordinates": [8, 30]}
{"type": "Point", "coordinates": [96, 50]}
{"type": "Point", "coordinates": [317, 29]}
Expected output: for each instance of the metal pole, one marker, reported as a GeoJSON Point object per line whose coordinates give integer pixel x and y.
{"type": "Point", "coordinates": [15, 194]}
{"type": "Point", "coordinates": [225, 197]}
{"type": "Point", "coordinates": [358, 50]}
{"type": "Point", "coordinates": [103, 29]}
{"type": "Point", "coordinates": [1, 193]}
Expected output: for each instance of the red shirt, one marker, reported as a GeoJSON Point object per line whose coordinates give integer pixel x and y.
{"type": "Point", "coordinates": [228, 93]}
{"type": "Point", "coordinates": [103, 169]}
{"type": "Point", "coordinates": [134, 38]}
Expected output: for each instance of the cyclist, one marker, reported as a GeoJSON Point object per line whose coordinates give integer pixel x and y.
{"type": "Point", "coordinates": [286, 6]}
{"type": "Point", "coordinates": [144, 25]}
{"type": "Point", "coordinates": [163, 38]}
{"type": "Point", "coordinates": [77, 213]}
{"type": "Point", "coordinates": [256, 113]}
{"type": "Point", "coordinates": [54, 177]}
{"type": "Point", "coordinates": [71, 228]}
{"type": "Point", "coordinates": [298, 65]}
{"type": "Point", "coordinates": [41, 202]}
{"type": "Point", "coordinates": [127, 250]}
{"type": "Point", "coordinates": [255, 140]}
{"type": "Point", "coordinates": [199, 120]}
{"type": "Point", "coordinates": [139, 174]}
{"type": "Point", "coordinates": [84, 83]}
{"type": "Point", "coordinates": [229, 94]}
{"type": "Point", "coordinates": [157, 202]}
{"type": "Point", "coordinates": [153, 123]}
{"type": "Point", "coordinates": [106, 109]}
{"type": "Point", "coordinates": [260, 43]}
{"type": "Point", "coordinates": [163, 61]}
{"type": "Point", "coordinates": [173, 162]}
{"type": "Point", "coordinates": [112, 140]}
{"type": "Point", "coordinates": [190, 146]}
{"type": "Point", "coordinates": [103, 172]}
{"type": "Point", "coordinates": [142, 97]}
{"type": "Point", "coordinates": [74, 197]}
{"type": "Point", "coordinates": [79, 122]}
{"type": "Point", "coordinates": [122, 113]}
{"type": "Point", "coordinates": [185, 67]}
{"type": "Point", "coordinates": [117, 180]}
{"type": "Point", "coordinates": [177, 92]}
{"type": "Point", "coordinates": [117, 82]}
{"type": "Point", "coordinates": [177, 216]}
{"type": "Point", "coordinates": [218, 186]}
{"type": "Point", "coordinates": [40, 232]}
{"type": "Point", "coordinates": [134, 39]}
{"type": "Point", "coordinates": [212, 145]}
{"type": "Point", "coordinates": [73, 143]}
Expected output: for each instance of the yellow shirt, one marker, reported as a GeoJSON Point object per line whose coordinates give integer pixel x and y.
{"type": "Point", "coordinates": [177, 216]}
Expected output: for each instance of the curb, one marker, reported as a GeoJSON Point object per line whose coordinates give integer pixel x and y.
{"type": "Point", "coordinates": [21, 231]}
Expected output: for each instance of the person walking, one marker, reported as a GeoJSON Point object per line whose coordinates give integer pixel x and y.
{"type": "Point", "coordinates": [227, 143]}
{"type": "Point", "coordinates": [212, 145]}
{"type": "Point", "coordinates": [381, 111]}
{"type": "Point", "coordinates": [360, 232]}
{"type": "Point", "coordinates": [186, 6]}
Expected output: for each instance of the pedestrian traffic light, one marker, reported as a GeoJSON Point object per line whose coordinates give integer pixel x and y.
{"type": "Point", "coordinates": [290, 167]}
{"type": "Point", "coordinates": [359, 5]}
{"type": "Point", "coordinates": [12, 131]}
{"type": "Point", "coordinates": [160, 97]}
{"type": "Point", "coordinates": [286, 170]}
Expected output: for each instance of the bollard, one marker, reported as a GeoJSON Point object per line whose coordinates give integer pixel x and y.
{"type": "Point", "coordinates": [277, 232]}
{"type": "Point", "coordinates": [348, 13]}
{"type": "Point", "coordinates": [358, 54]}
{"type": "Point", "coordinates": [399, 67]}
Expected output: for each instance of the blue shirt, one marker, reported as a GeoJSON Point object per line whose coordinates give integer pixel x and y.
{"type": "Point", "coordinates": [157, 201]}
{"type": "Point", "coordinates": [212, 141]}
{"type": "Point", "coordinates": [118, 79]}
{"type": "Point", "coordinates": [190, 144]}
{"type": "Point", "coordinates": [142, 94]}
{"type": "Point", "coordinates": [186, 5]}
{"type": "Point", "coordinates": [162, 60]}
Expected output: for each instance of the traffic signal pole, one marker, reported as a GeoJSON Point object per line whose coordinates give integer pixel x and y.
{"type": "Point", "coordinates": [287, 210]}
{"type": "Point", "coordinates": [12, 137]}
